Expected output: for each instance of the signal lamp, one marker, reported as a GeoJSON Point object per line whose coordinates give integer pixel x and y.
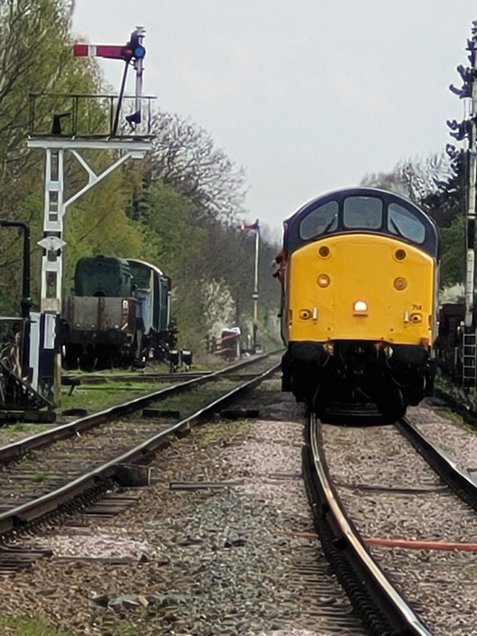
{"type": "Point", "coordinates": [135, 44]}
{"type": "Point", "coordinates": [462, 93]}
{"type": "Point", "coordinates": [134, 48]}
{"type": "Point", "coordinates": [467, 74]}
{"type": "Point", "coordinates": [139, 52]}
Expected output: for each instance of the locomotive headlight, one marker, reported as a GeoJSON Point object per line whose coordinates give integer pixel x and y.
{"type": "Point", "coordinates": [360, 308]}
{"type": "Point", "coordinates": [323, 280]}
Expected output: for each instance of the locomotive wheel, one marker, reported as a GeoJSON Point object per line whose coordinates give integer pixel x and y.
{"type": "Point", "coordinates": [392, 403]}
{"type": "Point", "coordinates": [316, 402]}
{"type": "Point", "coordinates": [415, 392]}
{"type": "Point", "coordinates": [87, 362]}
{"type": "Point", "coordinates": [71, 357]}
{"type": "Point", "coordinates": [104, 358]}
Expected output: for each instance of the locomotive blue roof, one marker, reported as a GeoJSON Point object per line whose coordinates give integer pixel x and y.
{"type": "Point", "coordinates": [375, 211]}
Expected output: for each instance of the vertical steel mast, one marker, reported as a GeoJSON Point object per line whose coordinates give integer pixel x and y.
{"type": "Point", "coordinates": [255, 294]}
{"type": "Point", "coordinates": [470, 75]}
{"type": "Point", "coordinates": [467, 129]}
{"type": "Point", "coordinates": [460, 131]}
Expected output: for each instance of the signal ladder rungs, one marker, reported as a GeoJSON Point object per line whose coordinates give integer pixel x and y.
{"type": "Point", "coordinates": [468, 359]}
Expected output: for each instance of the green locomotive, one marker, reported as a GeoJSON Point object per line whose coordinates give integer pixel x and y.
{"type": "Point", "coordinates": [118, 315]}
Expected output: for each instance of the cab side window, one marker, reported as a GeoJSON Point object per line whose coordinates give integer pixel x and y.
{"type": "Point", "coordinates": [405, 224]}
{"type": "Point", "coordinates": [320, 220]}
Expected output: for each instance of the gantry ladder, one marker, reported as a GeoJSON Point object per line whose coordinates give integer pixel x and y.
{"type": "Point", "coordinates": [469, 359]}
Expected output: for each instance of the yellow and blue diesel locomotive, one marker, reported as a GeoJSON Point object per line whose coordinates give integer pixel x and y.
{"type": "Point", "coordinates": [359, 274]}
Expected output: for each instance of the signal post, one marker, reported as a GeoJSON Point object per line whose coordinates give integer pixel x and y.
{"type": "Point", "coordinates": [57, 127]}
{"type": "Point", "coordinates": [467, 130]}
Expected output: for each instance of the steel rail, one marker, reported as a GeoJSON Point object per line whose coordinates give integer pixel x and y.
{"type": "Point", "coordinates": [459, 479]}
{"type": "Point", "coordinates": [368, 580]}
{"type": "Point", "coordinates": [18, 449]}
{"type": "Point", "coordinates": [32, 510]}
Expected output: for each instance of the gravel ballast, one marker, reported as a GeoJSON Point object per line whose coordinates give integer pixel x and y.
{"type": "Point", "coordinates": [391, 493]}
{"type": "Point", "coordinates": [238, 557]}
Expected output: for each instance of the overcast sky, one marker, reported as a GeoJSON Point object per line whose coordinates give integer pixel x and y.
{"type": "Point", "coordinates": [306, 95]}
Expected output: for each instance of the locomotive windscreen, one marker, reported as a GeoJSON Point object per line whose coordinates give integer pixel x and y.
{"type": "Point", "coordinates": [102, 276]}
{"type": "Point", "coordinates": [361, 209]}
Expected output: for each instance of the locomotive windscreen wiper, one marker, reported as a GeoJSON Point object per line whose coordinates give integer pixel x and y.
{"type": "Point", "coordinates": [396, 229]}
{"type": "Point", "coordinates": [328, 225]}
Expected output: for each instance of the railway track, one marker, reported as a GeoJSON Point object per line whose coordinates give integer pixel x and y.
{"type": "Point", "coordinates": [150, 374]}
{"type": "Point", "coordinates": [70, 379]}
{"type": "Point", "coordinates": [240, 534]}
{"type": "Point", "coordinates": [400, 609]}
{"type": "Point", "coordinates": [74, 464]}
{"type": "Point", "coordinates": [386, 518]}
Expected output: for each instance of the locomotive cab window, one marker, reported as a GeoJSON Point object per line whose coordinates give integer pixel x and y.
{"type": "Point", "coordinates": [405, 224]}
{"type": "Point", "coordinates": [320, 220]}
{"type": "Point", "coordinates": [363, 212]}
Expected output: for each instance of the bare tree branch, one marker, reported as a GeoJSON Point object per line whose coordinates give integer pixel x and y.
{"type": "Point", "coordinates": [185, 158]}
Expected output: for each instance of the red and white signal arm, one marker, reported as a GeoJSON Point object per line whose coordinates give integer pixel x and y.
{"type": "Point", "coordinates": [103, 50]}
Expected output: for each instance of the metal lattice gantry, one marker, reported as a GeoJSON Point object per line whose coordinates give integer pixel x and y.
{"type": "Point", "coordinates": [76, 123]}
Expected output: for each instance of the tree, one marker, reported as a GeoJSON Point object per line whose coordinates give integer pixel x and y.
{"type": "Point", "coordinates": [98, 224]}
{"type": "Point", "coordinates": [185, 158]}
{"type": "Point", "coordinates": [415, 179]}
{"type": "Point", "coordinates": [447, 201]}
{"type": "Point", "coordinates": [438, 186]}
{"type": "Point", "coordinates": [220, 306]}
{"type": "Point", "coordinates": [175, 209]}
{"type": "Point", "coordinates": [35, 57]}
{"type": "Point", "coordinates": [453, 252]}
